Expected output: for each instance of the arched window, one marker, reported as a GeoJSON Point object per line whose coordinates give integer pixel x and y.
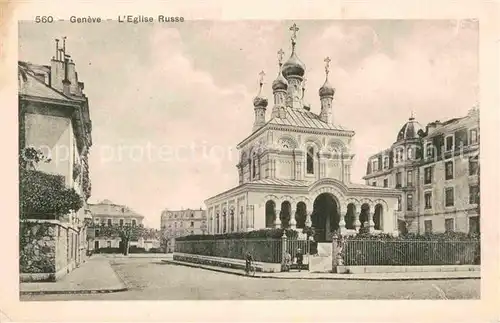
{"type": "Point", "coordinates": [231, 214]}
{"type": "Point", "coordinates": [254, 165]}
{"type": "Point", "coordinates": [224, 222]}
{"type": "Point", "coordinates": [310, 160]}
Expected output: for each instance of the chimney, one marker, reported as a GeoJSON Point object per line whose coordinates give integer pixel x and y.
{"type": "Point", "coordinates": [66, 82]}
{"type": "Point", "coordinates": [56, 69]}
{"type": "Point", "coordinates": [432, 125]}
{"type": "Point", "coordinates": [72, 77]}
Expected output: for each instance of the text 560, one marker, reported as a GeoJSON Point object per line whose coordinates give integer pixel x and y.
{"type": "Point", "coordinates": [44, 19]}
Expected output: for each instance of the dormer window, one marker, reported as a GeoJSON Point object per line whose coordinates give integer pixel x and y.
{"type": "Point", "coordinates": [429, 150]}
{"type": "Point", "coordinates": [409, 153]}
{"type": "Point", "coordinates": [374, 165]}
{"type": "Point", "coordinates": [399, 155]}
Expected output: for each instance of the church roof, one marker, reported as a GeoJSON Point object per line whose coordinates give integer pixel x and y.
{"type": "Point", "coordinates": [303, 119]}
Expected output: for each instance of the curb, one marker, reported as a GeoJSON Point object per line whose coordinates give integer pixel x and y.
{"type": "Point", "coordinates": [318, 278]}
{"type": "Point", "coordinates": [208, 268]}
{"type": "Point", "coordinates": [83, 291]}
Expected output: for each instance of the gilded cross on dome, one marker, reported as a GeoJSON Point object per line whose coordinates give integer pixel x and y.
{"type": "Point", "coordinates": [327, 65]}
{"type": "Point", "coordinates": [261, 77]}
{"type": "Point", "coordinates": [280, 56]}
{"type": "Point", "coordinates": [294, 30]}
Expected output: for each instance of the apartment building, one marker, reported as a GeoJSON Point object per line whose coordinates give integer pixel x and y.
{"type": "Point", "coordinates": [437, 171]}
{"type": "Point", "coordinates": [181, 223]}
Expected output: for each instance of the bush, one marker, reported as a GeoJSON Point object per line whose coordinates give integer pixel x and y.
{"type": "Point", "coordinates": [43, 195]}
{"type": "Point", "coordinates": [257, 234]}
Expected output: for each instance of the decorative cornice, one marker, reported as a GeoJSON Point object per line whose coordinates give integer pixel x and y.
{"type": "Point", "coordinates": [347, 190]}
{"type": "Point", "coordinates": [49, 100]}
{"type": "Point", "coordinates": [297, 129]}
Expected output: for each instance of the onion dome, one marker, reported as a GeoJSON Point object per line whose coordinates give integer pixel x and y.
{"type": "Point", "coordinates": [409, 130]}
{"type": "Point", "coordinates": [326, 89]}
{"type": "Point", "coordinates": [293, 67]}
{"type": "Point", "coordinates": [259, 100]}
{"type": "Point", "coordinates": [280, 83]}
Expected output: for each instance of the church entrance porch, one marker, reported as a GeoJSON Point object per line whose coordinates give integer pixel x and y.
{"type": "Point", "coordinates": [325, 217]}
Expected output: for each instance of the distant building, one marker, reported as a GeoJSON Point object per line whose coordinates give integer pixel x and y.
{"type": "Point", "coordinates": [437, 171]}
{"type": "Point", "coordinates": [182, 223]}
{"type": "Point", "coordinates": [109, 214]}
{"type": "Point", "coordinates": [54, 119]}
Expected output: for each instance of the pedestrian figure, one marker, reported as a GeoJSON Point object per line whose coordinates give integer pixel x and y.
{"type": "Point", "coordinates": [288, 260]}
{"type": "Point", "coordinates": [300, 258]}
{"type": "Point", "coordinates": [248, 262]}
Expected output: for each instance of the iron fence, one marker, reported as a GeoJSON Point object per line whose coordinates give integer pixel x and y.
{"type": "Point", "coordinates": [293, 245]}
{"type": "Point", "coordinates": [410, 252]}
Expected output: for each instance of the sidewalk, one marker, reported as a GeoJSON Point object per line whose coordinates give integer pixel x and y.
{"type": "Point", "coordinates": [93, 276]}
{"type": "Point", "coordinates": [371, 276]}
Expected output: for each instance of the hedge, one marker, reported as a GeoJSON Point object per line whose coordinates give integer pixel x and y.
{"type": "Point", "coordinates": [267, 250]}
{"type": "Point", "coordinates": [257, 234]}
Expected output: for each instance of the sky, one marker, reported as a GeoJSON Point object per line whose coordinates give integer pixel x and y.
{"type": "Point", "coordinates": [169, 103]}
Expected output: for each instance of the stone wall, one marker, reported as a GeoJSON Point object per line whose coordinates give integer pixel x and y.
{"type": "Point", "coordinates": [49, 249]}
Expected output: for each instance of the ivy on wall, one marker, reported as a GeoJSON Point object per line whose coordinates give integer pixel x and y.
{"type": "Point", "coordinates": [43, 195]}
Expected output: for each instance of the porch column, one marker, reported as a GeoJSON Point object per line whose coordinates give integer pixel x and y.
{"type": "Point", "coordinates": [342, 218]}
{"type": "Point", "coordinates": [277, 220]}
{"type": "Point", "coordinates": [371, 224]}
{"type": "Point", "coordinates": [308, 219]}
{"type": "Point", "coordinates": [357, 224]}
{"type": "Point", "coordinates": [293, 221]}
{"type": "Point", "coordinates": [250, 218]}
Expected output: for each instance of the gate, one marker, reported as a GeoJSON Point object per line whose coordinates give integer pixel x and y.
{"type": "Point", "coordinates": [305, 245]}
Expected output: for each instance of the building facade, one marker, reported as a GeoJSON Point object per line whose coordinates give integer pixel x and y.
{"type": "Point", "coordinates": [181, 223]}
{"type": "Point", "coordinates": [107, 214]}
{"type": "Point", "coordinates": [54, 119]}
{"type": "Point", "coordinates": [437, 171]}
{"type": "Point", "coordinates": [294, 169]}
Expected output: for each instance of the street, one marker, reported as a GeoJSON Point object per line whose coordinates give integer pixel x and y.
{"type": "Point", "coordinates": [151, 279]}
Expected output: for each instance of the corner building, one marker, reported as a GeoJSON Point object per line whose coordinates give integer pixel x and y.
{"type": "Point", "coordinates": [437, 171]}
{"type": "Point", "coordinates": [294, 168]}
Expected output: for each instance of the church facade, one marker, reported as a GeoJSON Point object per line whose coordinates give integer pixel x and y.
{"type": "Point", "coordinates": [294, 169]}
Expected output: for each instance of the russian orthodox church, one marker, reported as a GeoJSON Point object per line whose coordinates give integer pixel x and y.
{"type": "Point", "coordinates": [294, 168]}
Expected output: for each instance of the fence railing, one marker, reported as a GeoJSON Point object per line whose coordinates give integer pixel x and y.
{"type": "Point", "coordinates": [265, 250]}
{"type": "Point", "coordinates": [410, 252]}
